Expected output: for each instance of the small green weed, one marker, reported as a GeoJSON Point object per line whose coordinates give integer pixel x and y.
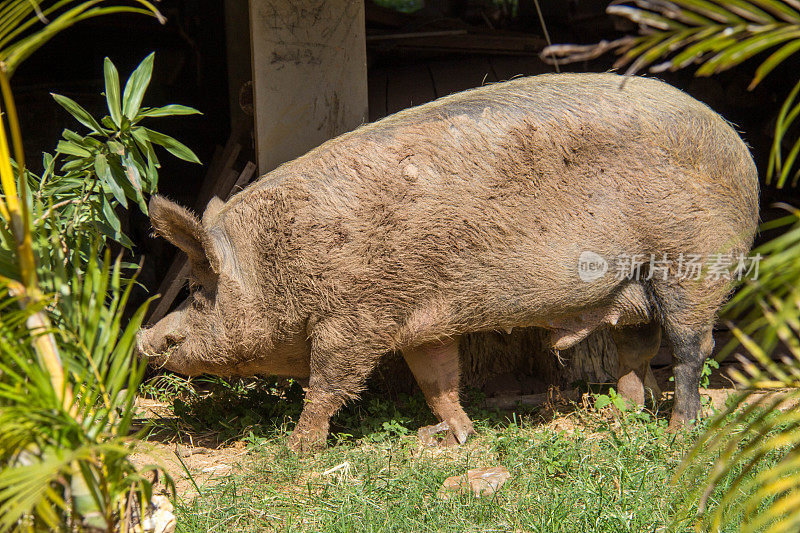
{"type": "Point", "coordinates": [166, 387]}
{"type": "Point", "coordinates": [612, 398]}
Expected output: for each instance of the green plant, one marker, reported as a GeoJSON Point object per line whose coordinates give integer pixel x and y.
{"type": "Point", "coordinates": [68, 464]}
{"type": "Point", "coordinates": [67, 392]}
{"type": "Point", "coordinates": [612, 398]}
{"type": "Point", "coordinates": [709, 365]}
{"type": "Point", "coordinates": [587, 471]}
{"type": "Point", "coordinates": [235, 407]}
{"type": "Point", "coordinates": [90, 175]}
{"type": "Point", "coordinates": [28, 24]}
{"type": "Point", "coordinates": [776, 286]}
{"type": "Point", "coordinates": [117, 153]}
{"type": "Point", "coordinates": [167, 386]}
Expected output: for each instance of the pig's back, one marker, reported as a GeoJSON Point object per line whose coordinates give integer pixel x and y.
{"type": "Point", "coordinates": [555, 135]}
{"type": "Point", "coordinates": [497, 190]}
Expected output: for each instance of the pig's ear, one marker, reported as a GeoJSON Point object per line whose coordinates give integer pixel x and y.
{"type": "Point", "coordinates": [212, 210]}
{"type": "Point", "coordinates": [181, 228]}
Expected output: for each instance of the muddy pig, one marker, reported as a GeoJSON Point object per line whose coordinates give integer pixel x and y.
{"type": "Point", "coordinates": [509, 205]}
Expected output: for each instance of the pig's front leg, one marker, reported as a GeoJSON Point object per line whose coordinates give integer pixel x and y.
{"type": "Point", "coordinates": [341, 362]}
{"type": "Point", "coordinates": [436, 369]}
{"type": "Point", "coordinates": [311, 432]}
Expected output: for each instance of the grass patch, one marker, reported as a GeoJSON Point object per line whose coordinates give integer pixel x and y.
{"type": "Point", "coordinates": [595, 475]}
{"type": "Point", "coordinates": [591, 469]}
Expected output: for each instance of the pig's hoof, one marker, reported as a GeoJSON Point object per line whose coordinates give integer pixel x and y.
{"type": "Point", "coordinates": [678, 422]}
{"type": "Point", "coordinates": [306, 442]}
{"type": "Point", "coordinates": [457, 434]}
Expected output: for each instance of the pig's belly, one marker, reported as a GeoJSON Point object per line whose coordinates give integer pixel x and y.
{"type": "Point", "coordinates": [568, 319]}
{"type": "Point", "coordinates": [569, 324]}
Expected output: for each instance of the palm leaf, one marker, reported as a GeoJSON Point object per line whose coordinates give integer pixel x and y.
{"type": "Point", "coordinates": [64, 13]}
{"type": "Point", "coordinates": [754, 443]}
{"type": "Point", "coordinates": [714, 35]}
{"type": "Point", "coordinates": [83, 444]}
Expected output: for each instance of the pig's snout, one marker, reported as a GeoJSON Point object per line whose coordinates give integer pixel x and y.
{"type": "Point", "coordinates": [158, 342]}
{"type": "Point", "coordinates": [156, 353]}
{"type": "Point", "coordinates": [144, 346]}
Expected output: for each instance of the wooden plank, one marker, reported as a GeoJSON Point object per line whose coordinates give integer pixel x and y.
{"type": "Point", "coordinates": [214, 164]}
{"type": "Point", "coordinates": [413, 35]}
{"type": "Point", "coordinates": [170, 287]}
{"type": "Point", "coordinates": [377, 95]}
{"type": "Point", "coordinates": [225, 184]}
{"type": "Point", "coordinates": [454, 75]}
{"type": "Point", "coordinates": [408, 85]}
{"type": "Point", "coordinates": [244, 178]}
{"type": "Point", "coordinates": [489, 42]}
{"type": "Point", "coordinates": [309, 74]}
{"type": "Point", "coordinates": [210, 182]}
{"type": "Point", "coordinates": [237, 52]}
{"type": "Point", "coordinates": [384, 16]}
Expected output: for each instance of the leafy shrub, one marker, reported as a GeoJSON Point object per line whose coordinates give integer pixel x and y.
{"type": "Point", "coordinates": [91, 176]}
{"type": "Point", "coordinates": [67, 392]}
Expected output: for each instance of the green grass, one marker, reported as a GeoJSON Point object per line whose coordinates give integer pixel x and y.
{"type": "Point", "coordinates": [596, 478]}
{"type": "Point", "coordinates": [592, 470]}
{"type": "Point", "coordinates": [589, 471]}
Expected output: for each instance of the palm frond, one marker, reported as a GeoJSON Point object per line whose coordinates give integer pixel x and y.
{"type": "Point", "coordinates": [753, 444]}
{"type": "Point", "coordinates": [783, 167]}
{"type": "Point", "coordinates": [775, 284]}
{"type": "Point", "coordinates": [52, 452]}
{"type": "Point", "coordinates": [716, 36]}
{"type": "Point", "coordinates": [26, 25]}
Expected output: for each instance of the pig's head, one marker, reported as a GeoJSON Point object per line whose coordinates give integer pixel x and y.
{"type": "Point", "coordinates": [222, 328]}
{"type": "Point", "coordinates": [188, 339]}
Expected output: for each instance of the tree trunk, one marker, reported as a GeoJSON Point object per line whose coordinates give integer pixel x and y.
{"type": "Point", "coordinates": [521, 362]}
{"type": "Point", "coordinates": [525, 353]}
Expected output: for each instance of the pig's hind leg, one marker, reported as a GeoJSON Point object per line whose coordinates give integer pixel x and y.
{"type": "Point", "coordinates": [436, 369]}
{"type": "Point", "coordinates": [636, 346]}
{"type": "Point", "coordinates": [687, 313]}
{"type": "Point", "coordinates": [690, 348]}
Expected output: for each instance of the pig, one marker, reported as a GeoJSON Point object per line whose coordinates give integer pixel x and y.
{"type": "Point", "coordinates": [505, 206]}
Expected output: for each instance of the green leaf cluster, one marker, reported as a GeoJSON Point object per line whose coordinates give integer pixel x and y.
{"type": "Point", "coordinates": [26, 25]}
{"type": "Point", "coordinates": [68, 376]}
{"type": "Point", "coordinates": [112, 165]}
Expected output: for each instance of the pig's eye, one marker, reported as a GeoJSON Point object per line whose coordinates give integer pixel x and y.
{"type": "Point", "coordinates": [199, 298]}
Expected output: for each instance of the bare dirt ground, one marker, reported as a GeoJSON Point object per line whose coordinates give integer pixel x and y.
{"type": "Point", "coordinates": [191, 461]}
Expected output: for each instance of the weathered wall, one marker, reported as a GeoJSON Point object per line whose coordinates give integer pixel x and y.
{"type": "Point", "coordinates": [309, 74]}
